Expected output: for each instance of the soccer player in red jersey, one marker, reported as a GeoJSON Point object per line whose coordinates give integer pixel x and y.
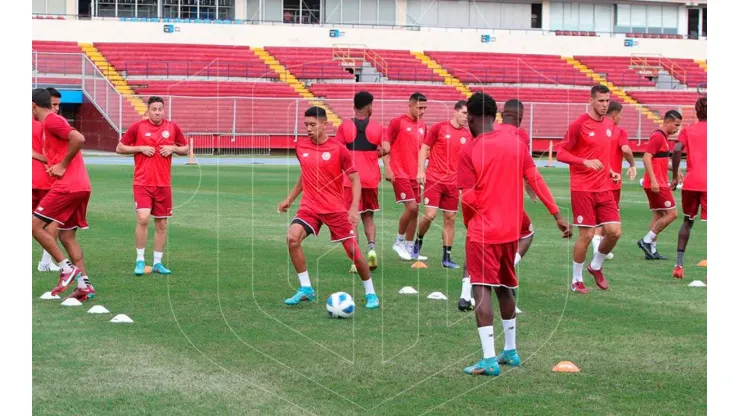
{"type": "Point", "coordinates": [66, 201]}
{"type": "Point", "coordinates": [490, 174]}
{"type": "Point", "coordinates": [620, 149]}
{"type": "Point", "coordinates": [152, 141]}
{"type": "Point", "coordinates": [693, 139]}
{"type": "Point", "coordinates": [366, 141]}
{"type": "Point", "coordinates": [586, 149]}
{"type": "Point", "coordinates": [324, 163]}
{"type": "Point", "coordinates": [56, 99]}
{"type": "Point", "coordinates": [442, 147]}
{"type": "Point", "coordinates": [406, 134]}
{"type": "Point", "coordinates": [657, 187]}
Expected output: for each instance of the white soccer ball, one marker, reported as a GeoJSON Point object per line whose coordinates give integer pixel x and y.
{"type": "Point", "coordinates": [340, 305]}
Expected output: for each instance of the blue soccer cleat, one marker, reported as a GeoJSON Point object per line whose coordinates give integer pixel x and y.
{"type": "Point", "coordinates": [303, 294]}
{"type": "Point", "coordinates": [159, 268]}
{"type": "Point", "coordinates": [372, 301]}
{"type": "Point", "coordinates": [450, 264]}
{"type": "Point", "coordinates": [509, 357]}
{"type": "Point", "coordinates": [139, 268]}
{"type": "Point", "coordinates": [484, 367]}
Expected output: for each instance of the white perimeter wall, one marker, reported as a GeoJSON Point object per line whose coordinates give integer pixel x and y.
{"type": "Point", "coordinates": [430, 40]}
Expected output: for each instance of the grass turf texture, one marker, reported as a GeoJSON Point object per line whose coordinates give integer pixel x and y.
{"type": "Point", "coordinates": [215, 337]}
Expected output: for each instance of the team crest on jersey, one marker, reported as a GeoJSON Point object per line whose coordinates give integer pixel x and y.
{"type": "Point", "coordinates": [667, 204]}
{"type": "Point", "coordinates": [463, 140]}
{"type": "Point", "coordinates": [426, 201]}
{"type": "Point", "coordinates": [166, 134]}
{"type": "Point", "coordinates": [608, 132]}
{"type": "Point", "coordinates": [403, 195]}
{"type": "Point", "coordinates": [421, 131]}
{"type": "Point", "coordinates": [326, 155]}
{"type": "Point", "coordinates": [580, 219]}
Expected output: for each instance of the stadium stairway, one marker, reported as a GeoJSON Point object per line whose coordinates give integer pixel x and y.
{"type": "Point", "coordinates": [113, 76]}
{"type": "Point", "coordinates": [286, 76]}
{"type": "Point", "coordinates": [590, 73]}
{"type": "Point", "coordinates": [448, 78]}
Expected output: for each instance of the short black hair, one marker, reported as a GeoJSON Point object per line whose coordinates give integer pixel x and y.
{"type": "Point", "coordinates": [363, 99]}
{"type": "Point", "coordinates": [482, 104]}
{"type": "Point", "coordinates": [671, 115]}
{"type": "Point", "coordinates": [599, 89]}
{"type": "Point", "coordinates": [614, 106]}
{"type": "Point", "coordinates": [54, 92]}
{"type": "Point", "coordinates": [154, 99]}
{"type": "Point", "coordinates": [460, 104]}
{"type": "Point", "coordinates": [513, 106]}
{"type": "Point", "coordinates": [701, 108]}
{"type": "Point", "coordinates": [42, 98]}
{"type": "Point", "coordinates": [418, 97]}
{"type": "Point", "coordinates": [316, 112]}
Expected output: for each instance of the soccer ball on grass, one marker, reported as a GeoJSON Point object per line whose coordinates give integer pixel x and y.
{"type": "Point", "coordinates": [340, 305]}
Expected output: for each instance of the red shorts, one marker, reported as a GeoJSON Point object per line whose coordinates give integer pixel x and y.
{"type": "Point", "coordinates": [442, 196]}
{"type": "Point", "coordinates": [617, 195]}
{"type": "Point", "coordinates": [406, 190]}
{"type": "Point", "coordinates": [368, 199]}
{"type": "Point", "coordinates": [158, 199]}
{"type": "Point", "coordinates": [527, 229]}
{"type": "Point", "coordinates": [690, 201]}
{"type": "Point", "coordinates": [338, 222]}
{"type": "Point", "coordinates": [36, 196]}
{"type": "Point", "coordinates": [68, 209]}
{"type": "Point", "coordinates": [491, 264]}
{"type": "Point", "coordinates": [662, 200]}
{"type": "Point", "coordinates": [592, 209]}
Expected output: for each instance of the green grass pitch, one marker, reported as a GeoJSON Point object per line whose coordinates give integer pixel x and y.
{"type": "Point", "coordinates": [215, 338]}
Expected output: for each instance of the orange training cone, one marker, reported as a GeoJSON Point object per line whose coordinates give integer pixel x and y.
{"type": "Point", "coordinates": [147, 269]}
{"type": "Point", "coordinates": [565, 367]}
{"type": "Point", "coordinates": [419, 265]}
{"type": "Point", "coordinates": [702, 263]}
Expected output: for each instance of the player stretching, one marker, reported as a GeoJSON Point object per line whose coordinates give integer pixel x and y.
{"type": "Point", "coordinates": [323, 163]}
{"type": "Point", "coordinates": [152, 141]}
{"type": "Point", "coordinates": [694, 192]}
{"type": "Point", "coordinates": [586, 149]}
{"type": "Point", "coordinates": [442, 146]}
{"type": "Point", "coordinates": [619, 149]}
{"type": "Point", "coordinates": [406, 133]}
{"type": "Point", "coordinates": [490, 176]}
{"type": "Point", "coordinates": [66, 202]}
{"type": "Point", "coordinates": [657, 188]}
{"type": "Point", "coordinates": [365, 139]}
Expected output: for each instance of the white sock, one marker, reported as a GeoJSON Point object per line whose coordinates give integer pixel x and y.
{"type": "Point", "coordinates": [82, 282]}
{"type": "Point", "coordinates": [653, 246]}
{"type": "Point", "coordinates": [649, 237]}
{"type": "Point", "coordinates": [595, 242]}
{"type": "Point", "coordinates": [157, 257]}
{"type": "Point", "coordinates": [577, 272]}
{"type": "Point", "coordinates": [66, 265]}
{"type": "Point", "coordinates": [509, 333]}
{"type": "Point", "coordinates": [369, 289]}
{"type": "Point", "coordinates": [410, 246]}
{"type": "Point", "coordinates": [467, 288]}
{"type": "Point", "coordinates": [45, 258]}
{"type": "Point", "coordinates": [399, 238]}
{"type": "Point", "coordinates": [517, 259]}
{"type": "Point", "coordinates": [486, 341]}
{"type": "Point", "coordinates": [305, 281]}
{"type": "Point", "coordinates": [140, 254]}
{"type": "Point", "coordinates": [598, 260]}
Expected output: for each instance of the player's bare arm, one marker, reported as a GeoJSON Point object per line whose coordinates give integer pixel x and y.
{"type": "Point", "coordinates": [168, 150]}
{"type": "Point", "coordinates": [569, 158]}
{"type": "Point", "coordinates": [676, 165]}
{"type": "Point", "coordinates": [38, 156]}
{"type": "Point", "coordinates": [122, 149]}
{"type": "Point", "coordinates": [421, 176]}
{"type": "Point", "coordinates": [647, 160]}
{"type": "Point", "coordinates": [533, 178]}
{"type": "Point", "coordinates": [389, 176]}
{"type": "Point", "coordinates": [76, 142]}
{"type": "Point", "coordinates": [384, 149]}
{"type": "Point", "coordinates": [616, 177]}
{"type": "Point", "coordinates": [287, 202]}
{"type": "Point", "coordinates": [354, 214]}
{"type": "Point", "coordinates": [627, 153]}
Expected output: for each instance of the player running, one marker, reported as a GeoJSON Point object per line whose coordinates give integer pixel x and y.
{"type": "Point", "coordinates": [406, 133]}
{"type": "Point", "coordinates": [693, 139]}
{"type": "Point", "coordinates": [66, 202]}
{"type": "Point", "coordinates": [655, 182]}
{"type": "Point", "coordinates": [152, 141]}
{"type": "Point", "coordinates": [490, 176]}
{"type": "Point", "coordinates": [442, 146]}
{"type": "Point", "coordinates": [619, 149]}
{"type": "Point", "coordinates": [586, 149]}
{"type": "Point", "coordinates": [366, 141]}
{"type": "Point", "coordinates": [323, 163]}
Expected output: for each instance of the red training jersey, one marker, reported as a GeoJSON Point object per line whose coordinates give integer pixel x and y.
{"type": "Point", "coordinates": [658, 147]}
{"type": "Point", "coordinates": [323, 167]}
{"type": "Point", "coordinates": [493, 166]}
{"type": "Point", "coordinates": [522, 134]}
{"type": "Point", "coordinates": [619, 139]}
{"type": "Point", "coordinates": [39, 178]}
{"type": "Point", "coordinates": [445, 142]}
{"type": "Point", "coordinates": [587, 138]}
{"type": "Point", "coordinates": [363, 137]}
{"type": "Point", "coordinates": [56, 143]}
{"type": "Point", "coordinates": [153, 170]}
{"type": "Point", "coordinates": [694, 140]}
{"type": "Point", "coordinates": [405, 136]}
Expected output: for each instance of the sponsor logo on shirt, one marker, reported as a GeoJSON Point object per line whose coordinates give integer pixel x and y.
{"type": "Point", "coordinates": [147, 134]}
{"type": "Point", "coordinates": [447, 136]}
{"type": "Point", "coordinates": [408, 128]}
{"type": "Point", "coordinates": [326, 155]}
{"type": "Point", "coordinates": [592, 134]}
{"type": "Point", "coordinates": [166, 134]}
{"type": "Point", "coordinates": [305, 155]}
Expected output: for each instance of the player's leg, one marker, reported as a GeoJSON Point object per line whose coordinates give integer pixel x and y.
{"type": "Point", "coordinates": [598, 235]}
{"type": "Point", "coordinates": [584, 215]}
{"type": "Point", "coordinates": [142, 235]}
{"type": "Point", "coordinates": [68, 237]}
{"type": "Point", "coordinates": [47, 264]}
{"type": "Point", "coordinates": [507, 308]}
{"type": "Point", "coordinates": [488, 366]}
{"type": "Point", "coordinates": [297, 232]}
{"type": "Point", "coordinates": [690, 202]}
{"type": "Point", "coordinates": [47, 240]}
{"type": "Point", "coordinates": [412, 214]}
{"type": "Point", "coordinates": [683, 240]}
{"type": "Point", "coordinates": [425, 222]}
{"type": "Point", "coordinates": [355, 254]}
{"type": "Point", "coordinates": [160, 239]}
{"type": "Point", "coordinates": [448, 238]}
{"type": "Point", "coordinates": [465, 302]}
{"type": "Point", "coordinates": [607, 216]}
{"type": "Point", "coordinates": [526, 236]}
{"type": "Point", "coordinates": [368, 223]}
{"type": "Point", "coordinates": [405, 195]}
